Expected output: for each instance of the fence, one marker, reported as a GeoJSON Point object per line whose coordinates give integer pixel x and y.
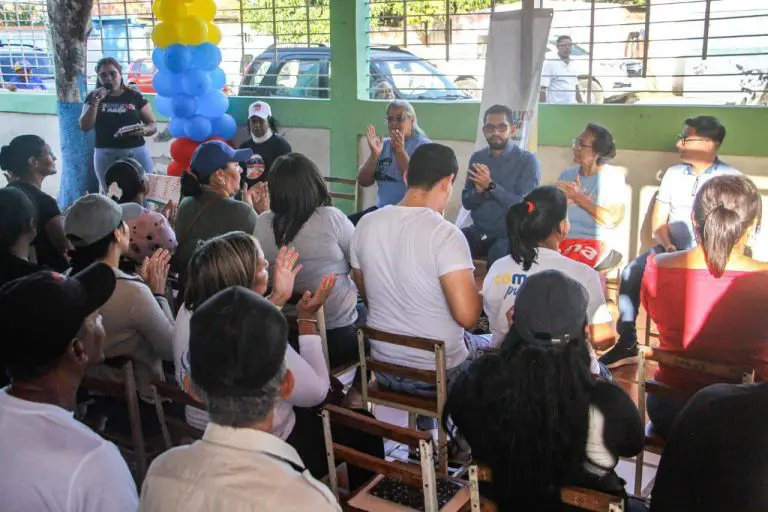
{"type": "Point", "coordinates": [646, 51]}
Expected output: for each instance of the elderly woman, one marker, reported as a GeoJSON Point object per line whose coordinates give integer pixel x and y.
{"type": "Point", "coordinates": [388, 161]}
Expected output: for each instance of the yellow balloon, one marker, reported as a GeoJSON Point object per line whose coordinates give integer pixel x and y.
{"type": "Point", "coordinates": [214, 34]}
{"type": "Point", "coordinates": [193, 30]}
{"type": "Point", "coordinates": [165, 34]}
{"type": "Point", "coordinates": [169, 10]}
{"type": "Point", "coordinates": [206, 9]}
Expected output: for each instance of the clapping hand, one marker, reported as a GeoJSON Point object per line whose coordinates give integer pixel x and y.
{"type": "Point", "coordinates": [375, 142]}
{"type": "Point", "coordinates": [480, 175]}
{"type": "Point", "coordinates": [154, 271]}
{"type": "Point", "coordinates": [311, 302]}
{"type": "Point", "coordinates": [398, 141]}
{"type": "Point", "coordinates": [257, 196]}
{"type": "Point", "coordinates": [169, 212]}
{"type": "Point", "coordinates": [284, 275]}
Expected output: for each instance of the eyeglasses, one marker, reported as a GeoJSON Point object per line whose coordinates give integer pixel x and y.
{"type": "Point", "coordinates": [501, 128]}
{"type": "Point", "coordinates": [685, 140]}
{"type": "Point", "coordinates": [396, 119]}
{"type": "Point", "coordinates": [576, 143]}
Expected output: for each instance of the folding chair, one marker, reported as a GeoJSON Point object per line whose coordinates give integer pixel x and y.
{"type": "Point", "coordinates": [654, 443]}
{"type": "Point", "coordinates": [172, 427]}
{"type": "Point", "coordinates": [586, 499]}
{"type": "Point", "coordinates": [422, 477]}
{"type": "Point", "coordinates": [355, 197]}
{"type": "Point", "coordinates": [126, 390]}
{"type": "Point", "coordinates": [432, 407]}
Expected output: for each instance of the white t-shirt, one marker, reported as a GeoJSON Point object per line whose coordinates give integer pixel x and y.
{"type": "Point", "coordinates": [402, 252]}
{"type": "Point", "coordinates": [505, 277]}
{"type": "Point", "coordinates": [560, 79]}
{"type": "Point", "coordinates": [53, 462]}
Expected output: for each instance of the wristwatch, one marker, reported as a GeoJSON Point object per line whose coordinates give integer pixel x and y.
{"type": "Point", "coordinates": [491, 186]}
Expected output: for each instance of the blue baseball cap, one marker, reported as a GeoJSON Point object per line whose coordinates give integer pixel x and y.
{"type": "Point", "coordinates": [214, 155]}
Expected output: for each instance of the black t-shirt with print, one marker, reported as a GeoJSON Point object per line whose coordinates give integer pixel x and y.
{"type": "Point", "coordinates": [45, 209]}
{"type": "Point", "coordinates": [264, 155]}
{"type": "Point", "coordinates": [116, 112]}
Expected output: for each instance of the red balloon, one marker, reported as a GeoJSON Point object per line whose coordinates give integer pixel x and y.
{"type": "Point", "coordinates": [175, 168]}
{"type": "Point", "coordinates": [183, 149]}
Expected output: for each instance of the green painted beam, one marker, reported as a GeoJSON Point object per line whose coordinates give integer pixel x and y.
{"type": "Point", "coordinates": [28, 103]}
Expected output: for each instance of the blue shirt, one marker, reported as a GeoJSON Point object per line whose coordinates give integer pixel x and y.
{"type": "Point", "coordinates": [678, 190]}
{"type": "Point", "coordinates": [515, 172]}
{"type": "Point", "coordinates": [388, 175]}
{"type": "Point", "coordinates": [34, 83]}
{"type": "Point", "coordinates": [604, 188]}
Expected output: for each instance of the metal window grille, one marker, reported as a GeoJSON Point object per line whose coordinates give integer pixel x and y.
{"type": "Point", "coordinates": [269, 47]}
{"type": "Point", "coordinates": [624, 51]}
{"type": "Point", "coordinates": [25, 60]}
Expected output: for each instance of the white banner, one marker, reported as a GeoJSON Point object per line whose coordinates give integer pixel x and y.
{"type": "Point", "coordinates": [517, 41]}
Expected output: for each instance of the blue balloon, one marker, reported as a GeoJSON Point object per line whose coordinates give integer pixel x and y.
{"type": "Point", "coordinates": [213, 104]}
{"type": "Point", "coordinates": [224, 126]}
{"type": "Point", "coordinates": [195, 82]}
{"type": "Point", "coordinates": [165, 83]}
{"type": "Point", "coordinates": [207, 56]}
{"type": "Point", "coordinates": [158, 59]}
{"type": "Point", "coordinates": [184, 105]}
{"type": "Point", "coordinates": [198, 128]}
{"type": "Point", "coordinates": [218, 79]}
{"type": "Point", "coordinates": [178, 58]}
{"type": "Point", "coordinates": [163, 105]}
{"type": "Point", "coordinates": [176, 128]}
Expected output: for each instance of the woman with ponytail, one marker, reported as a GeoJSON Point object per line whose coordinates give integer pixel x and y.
{"type": "Point", "coordinates": [533, 412]}
{"type": "Point", "coordinates": [208, 208]}
{"type": "Point", "coordinates": [535, 228]}
{"type": "Point", "coordinates": [709, 302]}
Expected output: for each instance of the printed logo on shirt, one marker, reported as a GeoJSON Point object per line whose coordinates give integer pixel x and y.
{"type": "Point", "coordinates": [511, 281]}
{"type": "Point", "coordinates": [254, 167]}
{"type": "Point", "coordinates": [117, 108]}
{"type": "Point", "coordinates": [381, 170]}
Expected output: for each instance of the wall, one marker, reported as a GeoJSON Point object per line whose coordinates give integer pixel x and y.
{"type": "Point", "coordinates": [330, 131]}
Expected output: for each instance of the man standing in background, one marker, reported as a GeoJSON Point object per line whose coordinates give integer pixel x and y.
{"type": "Point", "coordinates": [559, 78]}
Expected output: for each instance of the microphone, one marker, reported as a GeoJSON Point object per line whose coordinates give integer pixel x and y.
{"type": "Point", "coordinates": [108, 87]}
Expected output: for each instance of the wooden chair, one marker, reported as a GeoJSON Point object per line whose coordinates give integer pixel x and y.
{"type": "Point", "coordinates": [414, 405]}
{"type": "Point", "coordinates": [419, 477]}
{"type": "Point", "coordinates": [586, 499]}
{"type": "Point", "coordinates": [126, 390]}
{"type": "Point", "coordinates": [351, 182]}
{"type": "Point", "coordinates": [654, 443]}
{"type": "Point", "coordinates": [171, 426]}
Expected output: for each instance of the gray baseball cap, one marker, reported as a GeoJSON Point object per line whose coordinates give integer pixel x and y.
{"type": "Point", "coordinates": [94, 216]}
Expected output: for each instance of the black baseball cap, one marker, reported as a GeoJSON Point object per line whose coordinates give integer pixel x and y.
{"type": "Point", "coordinates": [237, 343]}
{"type": "Point", "coordinates": [41, 314]}
{"type": "Point", "coordinates": [550, 308]}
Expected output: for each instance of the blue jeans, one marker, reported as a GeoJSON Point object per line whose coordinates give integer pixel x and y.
{"type": "Point", "coordinates": [483, 245]}
{"type": "Point", "coordinates": [629, 297]}
{"type": "Point", "coordinates": [105, 157]}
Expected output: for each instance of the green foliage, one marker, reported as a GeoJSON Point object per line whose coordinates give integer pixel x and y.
{"type": "Point", "coordinates": [24, 15]}
{"type": "Point", "coordinates": [292, 21]}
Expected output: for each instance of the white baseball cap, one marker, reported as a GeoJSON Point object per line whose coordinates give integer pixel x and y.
{"type": "Point", "coordinates": [259, 109]}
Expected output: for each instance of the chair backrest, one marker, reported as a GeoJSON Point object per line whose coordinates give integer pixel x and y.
{"type": "Point", "coordinates": [354, 197]}
{"type": "Point", "coordinates": [586, 499]}
{"type": "Point", "coordinates": [163, 392]}
{"type": "Point", "coordinates": [409, 474]}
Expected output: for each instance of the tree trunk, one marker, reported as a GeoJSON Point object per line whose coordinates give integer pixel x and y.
{"type": "Point", "coordinates": [70, 24]}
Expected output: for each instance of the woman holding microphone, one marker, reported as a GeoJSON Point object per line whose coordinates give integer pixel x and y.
{"type": "Point", "coordinates": [122, 117]}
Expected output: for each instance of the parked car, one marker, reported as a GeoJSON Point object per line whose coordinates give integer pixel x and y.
{"type": "Point", "coordinates": [41, 61]}
{"type": "Point", "coordinates": [304, 73]}
{"type": "Point", "coordinates": [140, 74]}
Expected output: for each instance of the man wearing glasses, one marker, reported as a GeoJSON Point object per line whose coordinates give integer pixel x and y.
{"type": "Point", "coordinates": [671, 221]}
{"type": "Point", "coordinates": [559, 78]}
{"type": "Point", "coordinates": [499, 176]}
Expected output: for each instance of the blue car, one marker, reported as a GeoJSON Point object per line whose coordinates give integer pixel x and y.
{"type": "Point", "coordinates": [40, 60]}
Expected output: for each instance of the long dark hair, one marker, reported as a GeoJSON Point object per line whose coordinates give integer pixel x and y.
{"type": "Point", "coordinates": [296, 190]}
{"type": "Point", "coordinates": [534, 220]}
{"type": "Point", "coordinates": [17, 217]}
{"type": "Point", "coordinates": [724, 209]}
{"type": "Point", "coordinates": [192, 183]}
{"type": "Point", "coordinates": [273, 124]}
{"type": "Point", "coordinates": [110, 61]}
{"type": "Point", "coordinates": [14, 157]}
{"type": "Point", "coordinates": [525, 413]}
